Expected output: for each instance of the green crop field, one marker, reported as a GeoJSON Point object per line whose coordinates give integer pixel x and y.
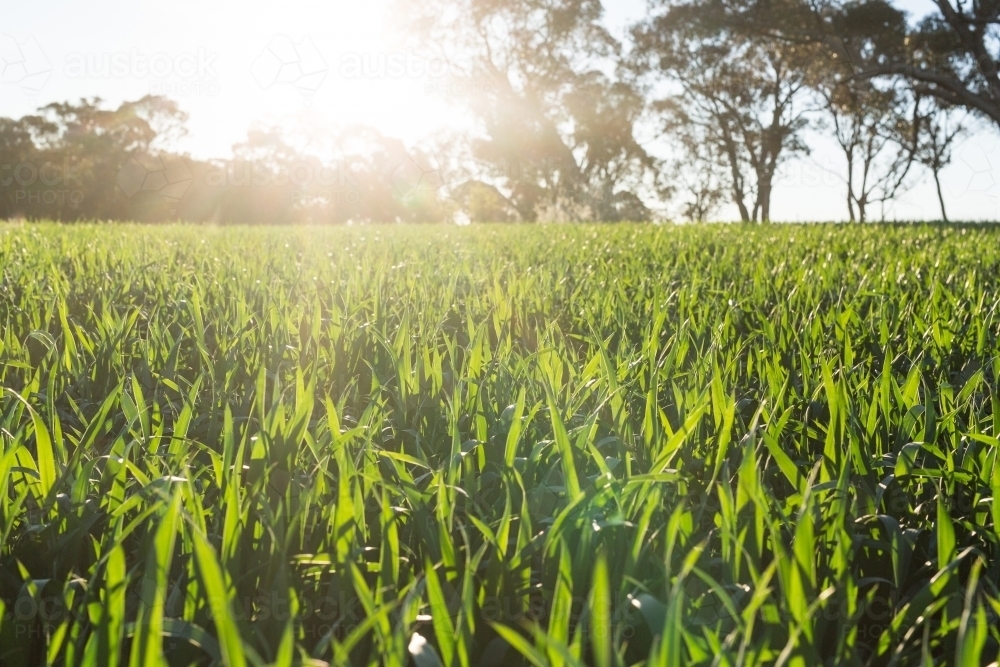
{"type": "Point", "coordinates": [538, 445]}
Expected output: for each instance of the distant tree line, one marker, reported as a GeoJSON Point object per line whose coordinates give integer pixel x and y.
{"type": "Point", "coordinates": [565, 115]}
{"type": "Point", "coordinates": [85, 162]}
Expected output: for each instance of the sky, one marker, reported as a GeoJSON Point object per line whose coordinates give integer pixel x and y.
{"type": "Point", "coordinates": [233, 64]}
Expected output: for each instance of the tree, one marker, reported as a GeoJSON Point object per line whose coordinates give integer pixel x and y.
{"type": "Point", "coordinates": [555, 129]}
{"type": "Point", "coordinates": [938, 132]}
{"type": "Point", "coordinates": [356, 175]}
{"type": "Point", "coordinates": [698, 172]}
{"type": "Point", "coordinates": [877, 129]}
{"type": "Point", "coordinates": [18, 157]}
{"type": "Point", "coordinates": [482, 202]}
{"type": "Point", "coordinates": [947, 61]}
{"type": "Point", "coordinates": [69, 155]}
{"type": "Point", "coordinates": [951, 55]}
{"type": "Point", "coordinates": [883, 124]}
{"type": "Point", "coordinates": [746, 96]}
{"type": "Point", "coordinates": [75, 161]}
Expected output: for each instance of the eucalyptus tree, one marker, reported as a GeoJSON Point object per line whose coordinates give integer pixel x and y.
{"type": "Point", "coordinates": [747, 96]}
{"type": "Point", "coordinates": [554, 125]}
{"type": "Point", "coordinates": [951, 54]}
{"type": "Point", "coordinates": [63, 161]}
{"type": "Point", "coordinates": [939, 130]}
{"type": "Point", "coordinates": [877, 129]}
{"type": "Point", "coordinates": [698, 173]}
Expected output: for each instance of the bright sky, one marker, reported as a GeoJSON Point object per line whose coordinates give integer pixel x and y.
{"type": "Point", "coordinates": [230, 64]}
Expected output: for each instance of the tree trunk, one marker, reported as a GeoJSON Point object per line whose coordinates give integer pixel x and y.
{"type": "Point", "coordinates": [850, 187]}
{"type": "Point", "coordinates": [740, 204]}
{"type": "Point", "coordinates": [737, 178]}
{"type": "Point", "coordinates": [937, 182]}
{"type": "Point", "coordinates": [765, 200]}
